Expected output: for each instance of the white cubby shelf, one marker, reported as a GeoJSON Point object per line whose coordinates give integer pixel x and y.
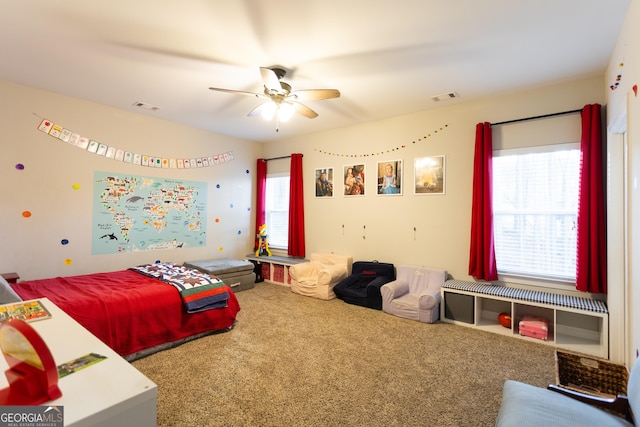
{"type": "Point", "coordinates": [274, 268]}
{"type": "Point", "coordinates": [578, 324]}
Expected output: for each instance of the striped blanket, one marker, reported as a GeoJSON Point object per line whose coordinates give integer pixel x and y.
{"type": "Point", "coordinates": [198, 290]}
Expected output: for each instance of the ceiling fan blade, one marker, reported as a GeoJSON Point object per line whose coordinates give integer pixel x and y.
{"type": "Point", "coordinates": [315, 94]}
{"type": "Point", "coordinates": [304, 110]}
{"type": "Point", "coordinates": [270, 79]}
{"type": "Point", "coordinates": [239, 92]}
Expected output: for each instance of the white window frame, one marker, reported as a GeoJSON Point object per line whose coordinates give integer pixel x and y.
{"type": "Point", "coordinates": [275, 245]}
{"type": "Point", "coordinates": [521, 278]}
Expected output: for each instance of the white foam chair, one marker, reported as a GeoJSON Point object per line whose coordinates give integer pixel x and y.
{"type": "Point", "coordinates": [318, 277]}
{"type": "Point", "coordinates": [415, 294]}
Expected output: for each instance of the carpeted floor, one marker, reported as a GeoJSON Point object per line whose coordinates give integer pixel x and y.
{"type": "Point", "coordinates": [298, 361]}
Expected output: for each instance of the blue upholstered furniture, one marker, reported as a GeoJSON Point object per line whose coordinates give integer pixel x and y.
{"type": "Point", "coordinates": [363, 286]}
{"type": "Point", "coordinates": [524, 405]}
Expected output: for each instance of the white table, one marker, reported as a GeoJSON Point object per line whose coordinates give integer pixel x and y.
{"type": "Point", "coordinates": [109, 393]}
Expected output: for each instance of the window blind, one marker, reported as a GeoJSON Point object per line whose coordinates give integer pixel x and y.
{"type": "Point", "coordinates": [277, 211]}
{"type": "Point", "coordinates": [535, 202]}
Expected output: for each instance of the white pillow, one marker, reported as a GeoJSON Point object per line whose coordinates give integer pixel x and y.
{"type": "Point", "coordinates": [7, 294]}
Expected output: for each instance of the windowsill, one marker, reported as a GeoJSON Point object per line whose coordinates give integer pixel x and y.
{"type": "Point", "coordinates": [276, 259]}
{"type": "Point", "coordinates": [278, 251]}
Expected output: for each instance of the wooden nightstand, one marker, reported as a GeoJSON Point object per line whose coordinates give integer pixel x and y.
{"type": "Point", "coordinates": [10, 277]}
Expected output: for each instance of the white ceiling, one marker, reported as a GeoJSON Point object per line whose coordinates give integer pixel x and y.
{"type": "Point", "coordinates": [387, 58]}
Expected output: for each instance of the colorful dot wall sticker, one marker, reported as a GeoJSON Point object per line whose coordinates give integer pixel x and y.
{"type": "Point", "coordinates": [68, 261]}
{"type": "Point", "coordinates": [615, 85]}
{"type": "Point", "coordinates": [220, 248]}
{"type": "Point", "coordinates": [26, 214]}
{"type": "Point", "coordinates": [76, 186]}
{"type": "Point", "coordinates": [64, 242]}
{"type": "Point", "coordinates": [20, 166]}
{"type": "Point", "coordinates": [217, 219]}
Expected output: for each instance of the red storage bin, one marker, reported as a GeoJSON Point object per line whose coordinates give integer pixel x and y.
{"type": "Point", "coordinates": [278, 273]}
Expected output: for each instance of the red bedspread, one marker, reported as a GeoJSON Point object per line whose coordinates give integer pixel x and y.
{"type": "Point", "coordinates": [126, 310]}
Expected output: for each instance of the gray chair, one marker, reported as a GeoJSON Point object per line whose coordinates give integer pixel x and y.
{"type": "Point", "coordinates": [415, 294]}
{"type": "Point", "coordinates": [524, 405]}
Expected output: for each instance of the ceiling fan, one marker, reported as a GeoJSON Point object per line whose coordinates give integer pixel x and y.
{"type": "Point", "coordinates": [282, 102]}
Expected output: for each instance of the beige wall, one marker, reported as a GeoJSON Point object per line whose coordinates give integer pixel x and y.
{"type": "Point", "coordinates": [624, 114]}
{"type": "Point", "coordinates": [425, 230]}
{"type": "Point", "coordinates": [382, 227]}
{"type": "Point", "coordinates": [369, 227]}
{"type": "Point", "coordinates": [431, 230]}
{"type": "Point", "coordinates": [32, 247]}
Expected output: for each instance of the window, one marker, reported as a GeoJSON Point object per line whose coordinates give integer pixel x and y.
{"type": "Point", "coordinates": [277, 211]}
{"type": "Point", "coordinates": [535, 207]}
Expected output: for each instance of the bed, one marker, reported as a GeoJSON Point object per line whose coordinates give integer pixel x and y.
{"type": "Point", "coordinates": [138, 312]}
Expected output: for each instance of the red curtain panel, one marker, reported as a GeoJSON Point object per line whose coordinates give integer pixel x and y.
{"type": "Point", "coordinates": [591, 255]}
{"type": "Point", "coordinates": [482, 256]}
{"type": "Point", "coordinates": [296, 208]}
{"type": "Point", "coordinates": [261, 187]}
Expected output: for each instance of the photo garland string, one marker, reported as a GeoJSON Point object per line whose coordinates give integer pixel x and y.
{"type": "Point", "coordinates": [92, 146]}
{"type": "Point", "coordinates": [389, 150]}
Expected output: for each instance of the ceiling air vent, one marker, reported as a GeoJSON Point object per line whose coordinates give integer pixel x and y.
{"type": "Point", "coordinates": [146, 106]}
{"type": "Point", "coordinates": [445, 96]}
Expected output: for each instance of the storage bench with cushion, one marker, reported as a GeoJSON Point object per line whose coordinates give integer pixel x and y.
{"type": "Point", "coordinates": [235, 273]}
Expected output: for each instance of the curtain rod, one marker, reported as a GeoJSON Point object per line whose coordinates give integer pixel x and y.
{"type": "Point", "coordinates": [537, 117]}
{"type": "Point", "coordinates": [277, 158]}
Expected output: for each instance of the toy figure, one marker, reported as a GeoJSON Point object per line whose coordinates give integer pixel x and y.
{"type": "Point", "coordinates": [263, 246]}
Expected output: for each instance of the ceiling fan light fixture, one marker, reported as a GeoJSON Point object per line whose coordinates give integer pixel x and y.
{"type": "Point", "coordinates": [269, 111]}
{"type": "Point", "coordinates": [282, 102]}
{"type": "Point", "coordinates": [285, 111]}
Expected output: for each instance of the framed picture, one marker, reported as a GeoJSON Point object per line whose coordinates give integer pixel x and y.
{"type": "Point", "coordinates": [353, 180]}
{"type": "Point", "coordinates": [429, 176]}
{"type": "Point", "coordinates": [390, 177]}
{"type": "Point", "coordinates": [324, 182]}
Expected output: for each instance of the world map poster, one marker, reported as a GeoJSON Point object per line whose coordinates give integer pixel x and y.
{"type": "Point", "coordinates": [136, 213]}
